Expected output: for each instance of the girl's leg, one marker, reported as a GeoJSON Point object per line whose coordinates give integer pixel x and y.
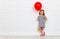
{"type": "Point", "coordinates": [43, 33]}
{"type": "Point", "coordinates": [40, 29]}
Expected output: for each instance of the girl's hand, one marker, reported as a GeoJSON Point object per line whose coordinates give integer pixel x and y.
{"type": "Point", "coordinates": [45, 20]}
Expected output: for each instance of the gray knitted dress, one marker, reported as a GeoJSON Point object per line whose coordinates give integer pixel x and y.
{"type": "Point", "coordinates": [41, 22]}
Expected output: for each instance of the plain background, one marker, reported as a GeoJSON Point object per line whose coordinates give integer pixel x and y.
{"type": "Point", "coordinates": [18, 17]}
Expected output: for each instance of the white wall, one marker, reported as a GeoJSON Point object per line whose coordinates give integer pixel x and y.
{"type": "Point", "coordinates": [18, 17]}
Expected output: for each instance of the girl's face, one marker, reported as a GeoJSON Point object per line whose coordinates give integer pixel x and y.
{"type": "Point", "coordinates": [41, 12]}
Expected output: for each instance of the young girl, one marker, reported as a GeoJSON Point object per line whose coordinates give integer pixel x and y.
{"type": "Point", "coordinates": [41, 22]}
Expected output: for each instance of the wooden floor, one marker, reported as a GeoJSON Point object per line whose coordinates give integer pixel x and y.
{"type": "Point", "coordinates": [29, 37]}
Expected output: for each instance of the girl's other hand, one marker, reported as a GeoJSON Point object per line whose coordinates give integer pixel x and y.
{"type": "Point", "coordinates": [45, 20]}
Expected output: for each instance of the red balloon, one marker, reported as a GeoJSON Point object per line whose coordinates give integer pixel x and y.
{"type": "Point", "coordinates": [37, 6]}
